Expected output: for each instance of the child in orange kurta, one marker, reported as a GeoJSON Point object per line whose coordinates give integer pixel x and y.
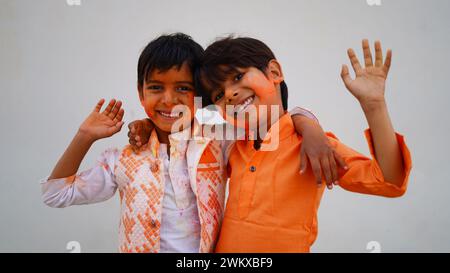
{"type": "Point", "coordinates": [271, 207]}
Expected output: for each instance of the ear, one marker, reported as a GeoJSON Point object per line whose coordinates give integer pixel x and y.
{"type": "Point", "coordinates": [140, 89]}
{"type": "Point", "coordinates": [275, 72]}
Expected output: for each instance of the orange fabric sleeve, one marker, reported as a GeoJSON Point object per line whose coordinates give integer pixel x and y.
{"type": "Point", "coordinates": [364, 174]}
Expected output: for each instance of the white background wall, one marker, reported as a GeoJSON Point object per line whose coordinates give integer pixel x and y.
{"type": "Point", "coordinates": [57, 60]}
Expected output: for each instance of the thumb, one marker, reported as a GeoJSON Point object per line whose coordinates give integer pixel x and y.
{"type": "Point", "coordinates": [303, 162]}
{"type": "Point", "coordinates": [345, 75]}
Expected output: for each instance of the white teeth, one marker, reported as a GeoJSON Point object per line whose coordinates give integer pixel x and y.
{"type": "Point", "coordinates": [244, 105]}
{"type": "Point", "coordinates": [169, 115]}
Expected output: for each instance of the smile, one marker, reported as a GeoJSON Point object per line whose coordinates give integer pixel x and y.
{"type": "Point", "coordinates": [242, 106]}
{"type": "Point", "coordinates": [170, 115]}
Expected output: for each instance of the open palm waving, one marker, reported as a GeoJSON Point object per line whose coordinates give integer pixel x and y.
{"type": "Point", "coordinates": [369, 84]}
{"type": "Point", "coordinates": [103, 124]}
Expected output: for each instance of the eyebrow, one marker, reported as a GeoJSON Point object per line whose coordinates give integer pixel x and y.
{"type": "Point", "coordinates": [178, 82]}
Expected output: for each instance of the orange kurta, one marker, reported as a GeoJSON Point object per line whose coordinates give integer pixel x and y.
{"type": "Point", "coordinates": [272, 208]}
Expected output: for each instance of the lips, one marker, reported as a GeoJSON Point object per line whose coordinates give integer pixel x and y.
{"type": "Point", "coordinates": [243, 105]}
{"type": "Point", "coordinates": [170, 114]}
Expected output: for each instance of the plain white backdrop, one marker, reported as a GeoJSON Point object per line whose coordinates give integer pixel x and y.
{"type": "Point", "coordinates": [57, 60]}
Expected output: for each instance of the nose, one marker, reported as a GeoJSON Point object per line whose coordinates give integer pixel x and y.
{"type": "Point", "coordinates": [231, 94]}
{"type": "Point", "coordinates": [170, 98]}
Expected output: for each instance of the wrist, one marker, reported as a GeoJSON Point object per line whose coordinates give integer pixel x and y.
{"type": "Point", "coordinates": [374, 105]}
{"type": "Point", "coordinates": [84, 137]}
{"type": "Point", "coordinates": [305, 125]}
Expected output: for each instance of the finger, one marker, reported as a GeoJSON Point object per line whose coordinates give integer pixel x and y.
{"type": "Point", "coordinates": [119, 125]}
{"type": "Point", "coordinates": [141, 133]}
{"type": "Point", "coordinates": [130, 125]}
{"type": "Point", "coordinates": [119, 115]}
{"type": "Point", "coordinates": [115, 110]}
{"type": "Point", "coordinates": [138, 128]}
{"type": "Point", "coordinates": [315, 165]}
{"type": "Point", "coordinates": [137, 140]}
{"type": "Point", "coordinates": [378, 54]}
{"type": "Point", "coordinates": [345, 75]}
{"type": "Point", "coordinates": [131, 138]}
{"type": "Point", "coordinates": [334, 168]}
{"type": "Point", "coordinates": [387, 62]}
{"type": "Point", "coordinates": [341, 162]}
{"type": "Point", "coordinates": [99, 105]}
{"type": "Point", "coordinates": [303, 162]}
{"type": "Point", "coordinates": [367, 54]}
{"type": "Point", "coordinates": [325, 164]}
{"type": "Point", "coordinates": [109, 107]}
{"type": "Point", "coordinates": [116, 128]}
{"type": "Point", "coordinates": [354, 61]}
{"type": "Point", "coordinates": [132, 141]}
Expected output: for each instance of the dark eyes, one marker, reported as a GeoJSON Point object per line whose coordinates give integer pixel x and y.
{"type": "Point", "coordinates": [218, 96]}
{"type": "Point", "coordinates": [238, 77]}
{"type": "Point", "coordinates": [184, 88]}
{"type": "Point", "coordinates": [179, 88]}
{"type": "Point", "coordinates": [154, 87]}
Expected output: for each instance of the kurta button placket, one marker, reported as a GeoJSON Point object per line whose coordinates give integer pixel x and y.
{"type": "Point", "coordinates": [247, 189]}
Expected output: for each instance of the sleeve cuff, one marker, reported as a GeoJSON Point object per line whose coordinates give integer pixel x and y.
{"type": "Point", "coordinates": [68, 180]}
{"type": "Point", "coordinates": [304, 112]}
{"type": "Point", "coordinates": [407, 162]}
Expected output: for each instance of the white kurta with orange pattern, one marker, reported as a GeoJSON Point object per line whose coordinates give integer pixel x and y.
{"type": "Point", "coordinates": [140, 181]}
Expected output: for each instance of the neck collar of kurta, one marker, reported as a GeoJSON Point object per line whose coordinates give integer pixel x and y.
{"type": "Point", "coordinates": [197, 132]}
{"type": "Point", "coordinates": [178, 142]}
{"type": "Point", "coordinates": [280, 130]}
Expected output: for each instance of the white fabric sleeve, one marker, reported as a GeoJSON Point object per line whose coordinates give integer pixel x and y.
{"type": "Point", "coordinates": [94, 185]}
{"type": "Point", "coordinates": [304, 112]}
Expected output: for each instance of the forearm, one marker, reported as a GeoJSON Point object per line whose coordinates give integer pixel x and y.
{"type": "Point", "coordinates": [303, 123]}
{"type": "Point", "coordinates": [70, 161]}
{"type": "Point", "coordinates": [386, 147]}
{"type": "Point", "coordinates": [303, 120]}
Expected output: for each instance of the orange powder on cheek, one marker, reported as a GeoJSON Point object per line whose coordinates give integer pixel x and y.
{"type": "Point", "coordinates": [190, 102]}
{"type": "Point", "coordinates": [263, 87]}
{"type": "Point", "coordinates": [148, 110]}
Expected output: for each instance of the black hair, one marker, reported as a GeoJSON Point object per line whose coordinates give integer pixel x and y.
{"type": "Point", "coordinates": [168, 51]}
{"type": "Point", "coordinates": [223, 58]}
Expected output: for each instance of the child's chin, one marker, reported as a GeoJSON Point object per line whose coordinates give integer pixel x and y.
{"type": "Point", "coordinates": [242, 123]}
{"type": "Point", "coordinates": [173, 127]}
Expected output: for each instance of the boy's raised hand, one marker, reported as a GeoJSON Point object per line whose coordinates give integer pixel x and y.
{"type": "Point", "coordinates": [369, 87]}
{"type": "Point", "coordinates": [369, 84]}
{"type": "Point", "coordinates": [103, 124]}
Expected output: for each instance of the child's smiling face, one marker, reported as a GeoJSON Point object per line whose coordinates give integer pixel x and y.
{"type": "Point", "coordinates": [166, 97]}
{"type": "Point", "coordinates": [250, 87]}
